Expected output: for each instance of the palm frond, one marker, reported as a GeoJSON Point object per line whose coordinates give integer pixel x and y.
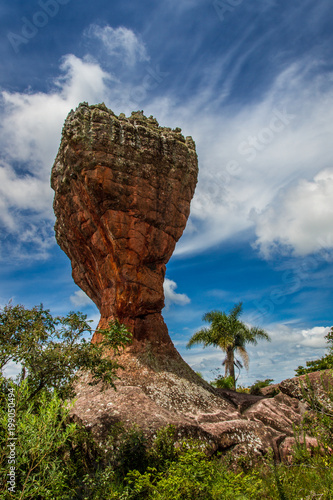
{"type": "Point", "coordinates": [236, 310]}
{"type": "Point", "coordinates": [203, 336]}
{"type": "Point", "coordinates": [244, 355]}
{"type": "Point", "coordinates": [238, 364]}
{"type": "Point", "coordinates": [256, 334]}
{"type": "Point", "coordinates": [213, 316]}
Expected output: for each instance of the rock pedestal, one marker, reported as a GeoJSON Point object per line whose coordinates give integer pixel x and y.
{"type": "Point", "coordinates": [123, 188]}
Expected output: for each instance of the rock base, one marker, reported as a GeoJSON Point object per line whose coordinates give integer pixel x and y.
{"type": "Point", "coordinates": [154, 392]}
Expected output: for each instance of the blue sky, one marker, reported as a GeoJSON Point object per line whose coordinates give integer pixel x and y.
{"type": "Point", "coordinates": [252, 82]}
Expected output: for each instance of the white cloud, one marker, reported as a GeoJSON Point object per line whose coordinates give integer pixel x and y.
{"type": "Point", "coordinates": [283, 335]}
{"type": "Point", "coordinates": [290, 347]}
{"type": "Point", "coordinates": [120, 42]}
{"type": "Point", "coordinates": [30, 131]}
{"type": "Point", "coordinates": [31, 123]}
{"type": "Point", "coordinates": [248, 155]}
{"type": "Point", "coordinates": [26, 192]}
{"type": "Point", "coordinates": [171, 296]}
{"type": "Point", "coordinates": [80, 299]}
{"type": "Point", "coordinates": [300, 217]}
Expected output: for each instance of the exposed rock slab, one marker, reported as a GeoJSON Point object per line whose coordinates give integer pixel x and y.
{"type": "Point", "coordinates": [155, 397]}
{"type": "Point", "coordinates": [316, 384]}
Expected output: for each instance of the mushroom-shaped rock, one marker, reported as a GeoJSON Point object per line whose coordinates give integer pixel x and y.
{"type": "Point", "coordinates": [123, 188]}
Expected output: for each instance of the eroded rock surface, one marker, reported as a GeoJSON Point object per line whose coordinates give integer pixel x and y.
{"type": "Point", "coordinates": [155, 397]}
{"type": "Point", "coordinates": [123, 188]}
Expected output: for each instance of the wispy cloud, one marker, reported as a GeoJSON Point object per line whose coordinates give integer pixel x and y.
{"type": "Point", "coordinates": [120, 42]}
{"type": "Point", "coordinates": [80, 299]}
{"type": "Point", "coordinates": [248, 158]}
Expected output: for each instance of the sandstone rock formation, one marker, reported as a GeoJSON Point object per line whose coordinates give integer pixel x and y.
{"type": "Point", "coordinates": [123, 188]}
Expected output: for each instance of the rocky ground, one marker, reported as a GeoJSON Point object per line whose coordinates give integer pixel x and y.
{"type": "Point", "coordinates": [155, 392]}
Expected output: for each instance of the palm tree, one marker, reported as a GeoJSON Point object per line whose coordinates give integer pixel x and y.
{"type": "Point", "coordinates": [231, 335]}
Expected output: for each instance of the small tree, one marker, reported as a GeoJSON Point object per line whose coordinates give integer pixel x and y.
{"type": "Point", "coordinates": [229, 334]}
{"type": "Point", "coordinates": [324, 363]}
{"type": "Point", "coordinates": [51, 351]}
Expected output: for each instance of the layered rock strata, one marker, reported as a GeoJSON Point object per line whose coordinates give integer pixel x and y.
{"type": "Point", "coordinates": [123, 188]}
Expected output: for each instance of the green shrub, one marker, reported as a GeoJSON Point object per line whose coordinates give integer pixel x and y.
{"type": "Point", "coordinates": [224, 382]}
{"type": "Point", "coordinates": [42, 468]}
{"type": "Point", "coordinates": [163, 450]}
{"type": "Point", "coordinates": [259, 384]}
{"type": "Point", "coordinates": [139, 486]}
{"type": "Point", "coordinates": [126, 450]}
{"type": "Point", "coordinates": [324, 363]}
{"type": "Point", "coordinates": [191, 477]}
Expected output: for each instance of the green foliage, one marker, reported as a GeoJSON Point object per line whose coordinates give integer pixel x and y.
{"type": "Point", "coordinates": [164, 450]}
{"type": "Point", "coordinates": [191, 477]}
{"type": "Point", "coordinates": [324, 363]}
{"type": "Point", "coordinates": [57, 459]}
{"type": "Point", "coordinates": [140, 486]}
{"type": "Point", "coordinates": [43, 439]}
{"type": "Point", "coordinates": [223, 382]}
{"type": "Point", "coordinates": [259, 384]}
{"type": "Point", "coordinates": [319, 422]}
{"type": "Point", "coordinates": [131, 452]}
{"type": "Point", "coordinates": [52, 350]}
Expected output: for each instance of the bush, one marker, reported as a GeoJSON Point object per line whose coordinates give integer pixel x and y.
{"type": "Point", "coordinates": [52, 351]}
{"type": "Point", "coordinates": [163, 451]}
{"type": "Point", "coordinates": [41, 460]}
{"type": "Point", "coordinates": [223, 382]}
{"type": "Point", "coordinates": [259, 384]}
{"type": "Point", "coordinates": [324, 363]}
